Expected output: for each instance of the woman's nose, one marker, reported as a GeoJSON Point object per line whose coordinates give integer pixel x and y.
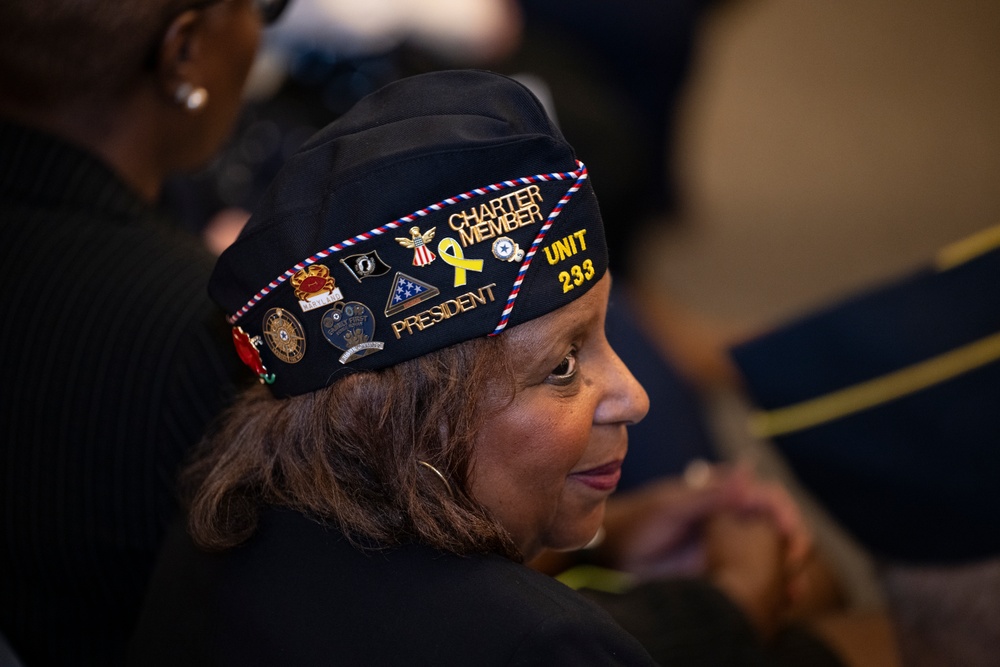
{"type": "Point", "coordinates": [625, 400]}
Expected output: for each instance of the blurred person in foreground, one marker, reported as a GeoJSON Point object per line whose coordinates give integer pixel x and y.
{"type": "Point", "coordinates": [114, 364]}
{"type": "Point", "coordinates": [422, 292]}
{"type": "Point", "coordinates": [891, 392]}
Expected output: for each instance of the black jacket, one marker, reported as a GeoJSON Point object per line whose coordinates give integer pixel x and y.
{"type": "Point", "coordinates": [113, 360]}
{"type": "Point", "coordinates": [299, 594]}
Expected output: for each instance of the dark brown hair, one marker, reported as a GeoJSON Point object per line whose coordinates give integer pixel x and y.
{"type": "Point", "coordinates": [53, 51]}
{"type": "Point", "coordinates": [348, 454]}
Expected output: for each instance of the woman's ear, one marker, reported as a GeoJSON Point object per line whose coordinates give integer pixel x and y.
{"type": "Point", "coordinates": [179, 62]}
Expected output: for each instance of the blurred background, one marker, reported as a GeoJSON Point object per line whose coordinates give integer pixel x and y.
{"type": "Point", "coordinates": [823, 148]}
{"type": "Point", "coordinates": [826, 146]}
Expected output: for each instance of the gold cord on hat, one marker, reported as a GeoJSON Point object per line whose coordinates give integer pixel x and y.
{"type": "Point", "coordinates": [439, 475]}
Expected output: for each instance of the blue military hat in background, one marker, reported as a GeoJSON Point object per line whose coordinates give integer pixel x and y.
{"type": "Point", "coordinates": [887, 406]}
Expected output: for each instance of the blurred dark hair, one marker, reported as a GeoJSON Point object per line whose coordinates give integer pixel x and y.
{"type": "Point", "coordinates": [347, 454]}
{"type": "Point", "coordinates": [53, 51]}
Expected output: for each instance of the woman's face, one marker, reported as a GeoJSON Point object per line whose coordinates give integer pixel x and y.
{"type": "Point", "coordinates": [547, 462]}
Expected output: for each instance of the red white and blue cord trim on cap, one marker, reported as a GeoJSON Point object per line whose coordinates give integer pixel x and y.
{"type": "Point", "coordinates": [581, 175]}
{"type": "Point", "coordinates": [578, 176]}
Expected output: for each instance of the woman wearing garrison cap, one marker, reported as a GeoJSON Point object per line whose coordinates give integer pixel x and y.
{"type": "Point", "coordinates": [422, 295]}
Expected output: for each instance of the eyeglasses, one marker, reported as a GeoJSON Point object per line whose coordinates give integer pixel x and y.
{"type": "Point", "coordinates": [270, 10]}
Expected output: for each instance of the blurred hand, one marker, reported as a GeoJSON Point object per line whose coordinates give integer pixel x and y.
{"type": "Point", "coordinates": [658, 530]}
{"type": "Point", "coordinates": [746, 494]}
{"type": "Point", "coordinates": [745, 557]}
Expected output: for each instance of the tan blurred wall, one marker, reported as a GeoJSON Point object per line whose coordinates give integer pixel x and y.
{"type": "Point", "coordinates": [826, 145]}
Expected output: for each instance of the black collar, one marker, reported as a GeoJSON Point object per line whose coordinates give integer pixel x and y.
{"type": "Point", "coordinates": [36, 167]}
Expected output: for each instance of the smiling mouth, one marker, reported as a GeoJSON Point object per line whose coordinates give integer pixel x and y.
{"type": "Point", "coordinates": [601, 478]}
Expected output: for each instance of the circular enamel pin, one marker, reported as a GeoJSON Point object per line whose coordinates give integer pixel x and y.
{"type": "Point", "coordinates": [284, 335]}
{"type": "Point", "coordinates": [507, 250]}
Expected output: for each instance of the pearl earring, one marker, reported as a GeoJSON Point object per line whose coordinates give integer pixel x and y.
{"type": "Point", "coordinates": [193, 99]}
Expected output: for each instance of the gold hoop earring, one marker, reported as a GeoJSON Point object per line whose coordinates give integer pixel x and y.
{"type": "Point", "coordinates": [191, 98]}
{"type": "Point", "coordinates": [439, 475]}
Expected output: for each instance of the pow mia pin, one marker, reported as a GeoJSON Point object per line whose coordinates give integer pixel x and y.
{"type": "Point", "coordinates": [284, 335]}
{"type": "Point", "coordinates": [365, 265]}
{"type": "Point", "coordinates": [507, 250]}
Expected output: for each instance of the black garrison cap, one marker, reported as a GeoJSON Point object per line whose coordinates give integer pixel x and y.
{"type": "Point", "coordinates": [441, 208]}
{"type": "Point", "coordinates": [887, 406]}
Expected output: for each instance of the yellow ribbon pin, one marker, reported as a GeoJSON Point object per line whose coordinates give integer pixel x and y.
{"type": "Point", "coordinates": [452, 254]}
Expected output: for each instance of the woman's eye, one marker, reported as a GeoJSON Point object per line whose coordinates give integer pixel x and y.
{"type": "Point", "coordinates": [564, 372]}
